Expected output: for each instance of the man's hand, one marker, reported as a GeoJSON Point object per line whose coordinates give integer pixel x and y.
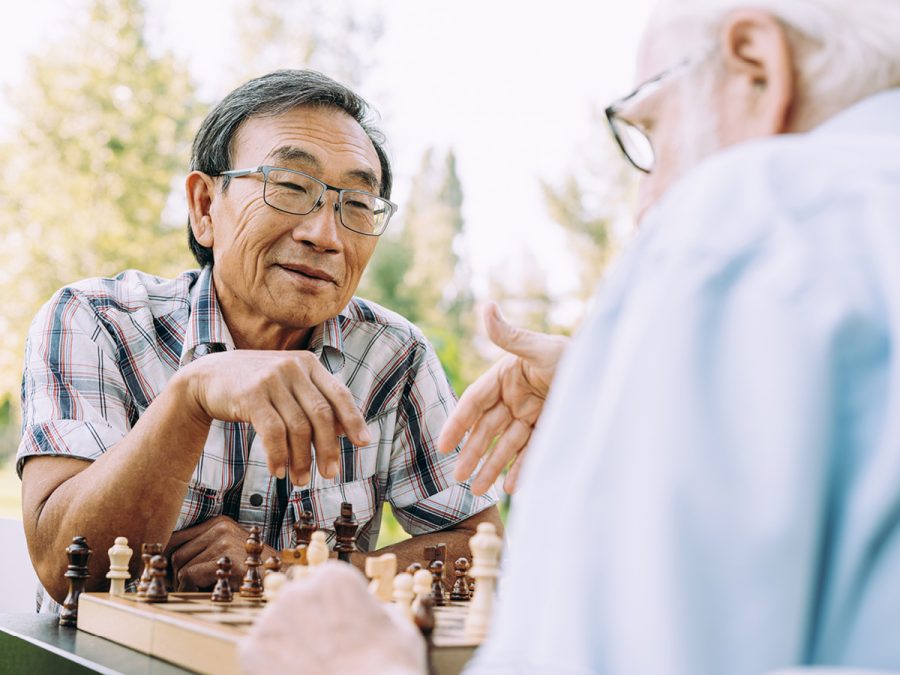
{"type": "Point", "coordinates": [505, 402]}
{"type": "Point", "coordinates": [331, 624]}
{"type": "Point", "coordinates": [193, 553]}
{"type": "Point", "coordinates": [291, 400]}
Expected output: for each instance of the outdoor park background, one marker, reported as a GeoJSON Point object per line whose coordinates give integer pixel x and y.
{"type": "Point", "coordinates": [509, 187]}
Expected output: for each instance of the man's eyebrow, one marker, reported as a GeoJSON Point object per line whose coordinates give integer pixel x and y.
{"type": "Point", "coordinates": [366, 176]}
{"type": "Point", "coordinates": [291, 153]}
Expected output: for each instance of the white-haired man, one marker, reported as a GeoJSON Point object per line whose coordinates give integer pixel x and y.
{"type": "Point", "coordinates": [722, 442]}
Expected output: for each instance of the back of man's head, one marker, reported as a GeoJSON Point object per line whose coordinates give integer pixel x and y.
{"type": "Point", "coordinates": [844, 50]}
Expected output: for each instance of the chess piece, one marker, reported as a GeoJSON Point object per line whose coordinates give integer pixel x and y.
{"type": "Point", "coordinates": [425, 621]}
{"type": "Point", "coordinates": [293, 561]}
{"type": "Point", "coordinates": [272, 564]}
{"type": "Point", "coordinates": [222, 590]}
{"type": "Point", "coordinates": [156, 590]}
{"type": "Point", "coordinates": [252, 586]}
{"type": "Point", "coordinates": [119, 557]}
{"type": "Point", "coordinates": [381, 571]}
{"type": "Point", "coordinates": [403, 593]}
{"type": "Point", "coordinates": [345, 527]}
{"type": "Point", "coordinates": [437, 583]}
{"type": "Point", "coordinates": [421, 587]}
{"type": "Point", "coordinates": [147, 553]}
{"type": "Point", "coordinates": [317, 552]}
{"type": "Point", "coordinates": [460, 592]}
{"type": "Point", "coordinates": [76, 574]}
{"type": "Point", "coordinates": [437, 552]}
{"type": "Point", "coordinates": [413, 568]}
{"type": "Point", "coordinates": [272, 583]}
{"type": "Point", "coordinates": [303, 528]}
{"type": "Point", "coordinates": [486, 546]}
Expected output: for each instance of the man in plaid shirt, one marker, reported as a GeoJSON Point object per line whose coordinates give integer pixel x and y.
{"type": "Point", "coordinates": [185, 411]}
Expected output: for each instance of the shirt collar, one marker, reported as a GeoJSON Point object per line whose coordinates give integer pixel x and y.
{"type": "Point", "coordinates": [327, 341]}
{"type": "Point", "coordinates": [207, 332]}
{"type": "Point", "coordinates": [877, 114]}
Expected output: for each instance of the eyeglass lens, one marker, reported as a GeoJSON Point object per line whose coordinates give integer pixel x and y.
{"type": "Point", "coordinates": [295, 193]}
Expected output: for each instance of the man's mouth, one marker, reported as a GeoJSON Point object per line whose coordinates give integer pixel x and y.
{"type": "Point", "coordinates": [309, 272]}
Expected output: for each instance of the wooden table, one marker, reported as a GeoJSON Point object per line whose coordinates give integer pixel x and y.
{"type": "Point", "coordinates": [37, 644]}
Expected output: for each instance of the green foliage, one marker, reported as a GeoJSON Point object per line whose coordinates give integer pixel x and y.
{"type": "Point", "coordinates": [419, 269]}
{"type": "Point", "coordinates": [105, 127]}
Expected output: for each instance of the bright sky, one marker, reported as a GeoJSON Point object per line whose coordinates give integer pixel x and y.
{"type": "Point", "coordinates": [510, 85]}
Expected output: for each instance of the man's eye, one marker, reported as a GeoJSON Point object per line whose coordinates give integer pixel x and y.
{"type": "Point", "coordinates": [291, 186]}
{"type": "Point", "coordinates": [358, 205]}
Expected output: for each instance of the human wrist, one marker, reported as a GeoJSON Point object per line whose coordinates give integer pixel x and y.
{"type": "Point", "coordinates": [185, 388]}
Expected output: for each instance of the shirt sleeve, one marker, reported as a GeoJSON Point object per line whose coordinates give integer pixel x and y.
{"type": "Point", "coordinates": [74, 399]}
{"type": "Point", "coordinates": [422, 492]}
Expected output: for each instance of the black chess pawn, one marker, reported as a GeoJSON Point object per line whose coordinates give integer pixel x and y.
{"type": "Point", "coordinates": [77, 573]}
{"type": "Point", "coordinates": [425, 621]}
{"type": "Point", "coordinates": [272, 564]}
{"type": "Point", "coordinates": [345, 527]}
{"type": "Point", "coordinates": [460, 592]}
{"type": "Point", "coordinates": [437, 583]}
{"type": "Point", "coordinates": [156, 591]}
{"type": "Point", "coordinates": [147, 553]}
{"type": "Point", "coordinates": [303, 528]}
{"type": "Point", "coordinates": [222, 591]}
{"type": "Point", "coordinates": [253, 586]}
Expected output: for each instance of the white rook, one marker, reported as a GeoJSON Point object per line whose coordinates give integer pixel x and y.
{"type": "Point", "coordinates": [486, 546]}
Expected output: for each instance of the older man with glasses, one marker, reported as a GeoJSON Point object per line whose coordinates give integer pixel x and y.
{"type": "Point", "coordinates": [257, 390]}
{"type": "Point", "coordinates": [722, 438]}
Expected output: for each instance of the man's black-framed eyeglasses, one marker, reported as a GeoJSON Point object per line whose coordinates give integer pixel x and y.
{"type": "Point", "coordinates": [634, 141]}
{"type": "Point", "coordinates": [298, 193]}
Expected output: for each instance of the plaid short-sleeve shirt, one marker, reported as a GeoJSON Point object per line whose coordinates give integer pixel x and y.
{"type": "Point", "coordinates": [101, 350]}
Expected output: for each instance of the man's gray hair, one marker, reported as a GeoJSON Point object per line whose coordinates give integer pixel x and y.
{"type": "Point", "coordinates": [845, 50]}
{"type": "Point", "coordinates": [271, 95]}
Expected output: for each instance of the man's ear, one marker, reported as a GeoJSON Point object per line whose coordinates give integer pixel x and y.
{"type": "Point", "coordinates": [200, 189]}
{"type": "Point", "coordinates": [759, 73]}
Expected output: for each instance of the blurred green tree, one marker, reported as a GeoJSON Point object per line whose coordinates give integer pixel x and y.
{"type": "Point", "coordinates": [336, 38]}
{"type": "Point", "coordinates": [420, 268]}
{"type": "Point", "coordinates": [102, 138]}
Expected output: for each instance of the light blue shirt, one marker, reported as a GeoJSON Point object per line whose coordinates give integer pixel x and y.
{"type": "Point", "coordinates": [714, 486]}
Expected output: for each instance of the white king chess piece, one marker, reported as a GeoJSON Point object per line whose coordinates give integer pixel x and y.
{"type": "Point", "coordinates": [119, 557]}
{"type": "Point", "coordinates": [486, 546]}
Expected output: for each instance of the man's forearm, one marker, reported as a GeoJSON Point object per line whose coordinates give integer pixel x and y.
{"type": "Point", "coordinates": [134, 490]}
{"type": "Point", "coordinates": [456, 538]}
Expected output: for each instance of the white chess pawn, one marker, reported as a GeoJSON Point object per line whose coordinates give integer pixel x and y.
{"type": "Point", "coordinates": [422, 580]}
{"type": "Point", "coordinates": [119, 557]}
{"type": "Point", "coordinates": [272, 583]}
{"type": "Point", "coordinates": [486, 546]}
{"type": "Point", "coordinates": [381, 571]}
{"type": "Point", "coordinates": [317, 552]}
{"type": "Point", "coordinates": [403, 593]}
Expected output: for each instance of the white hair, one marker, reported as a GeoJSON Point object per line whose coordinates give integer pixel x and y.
{"type": "Point", "coordinates": [844, 50]}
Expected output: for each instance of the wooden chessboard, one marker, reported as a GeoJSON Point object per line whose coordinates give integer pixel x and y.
{"type": "Point", "coordinates": [192, 632]}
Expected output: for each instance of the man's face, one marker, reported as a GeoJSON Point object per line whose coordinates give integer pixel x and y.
{"type": "Point", "coordinates": [682, 126]}
{"type": "Point", "coordinates": [275, 270]}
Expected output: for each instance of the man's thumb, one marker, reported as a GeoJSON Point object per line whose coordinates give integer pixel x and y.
{"type": "Point", "coordinates": [514, 340]}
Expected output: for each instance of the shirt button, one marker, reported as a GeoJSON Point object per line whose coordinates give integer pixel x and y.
{"type": "Point", "coordinates": [256, 499]}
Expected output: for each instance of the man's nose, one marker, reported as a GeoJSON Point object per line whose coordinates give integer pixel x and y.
{"type": "Point", "coordinates": [320, 228]}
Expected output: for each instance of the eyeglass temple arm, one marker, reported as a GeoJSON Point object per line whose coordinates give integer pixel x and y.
{"type": "Point", "coordinates": [237, 173]}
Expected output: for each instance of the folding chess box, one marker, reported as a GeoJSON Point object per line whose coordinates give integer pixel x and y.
{"type": "Point", "coordinates": [192, 632]}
